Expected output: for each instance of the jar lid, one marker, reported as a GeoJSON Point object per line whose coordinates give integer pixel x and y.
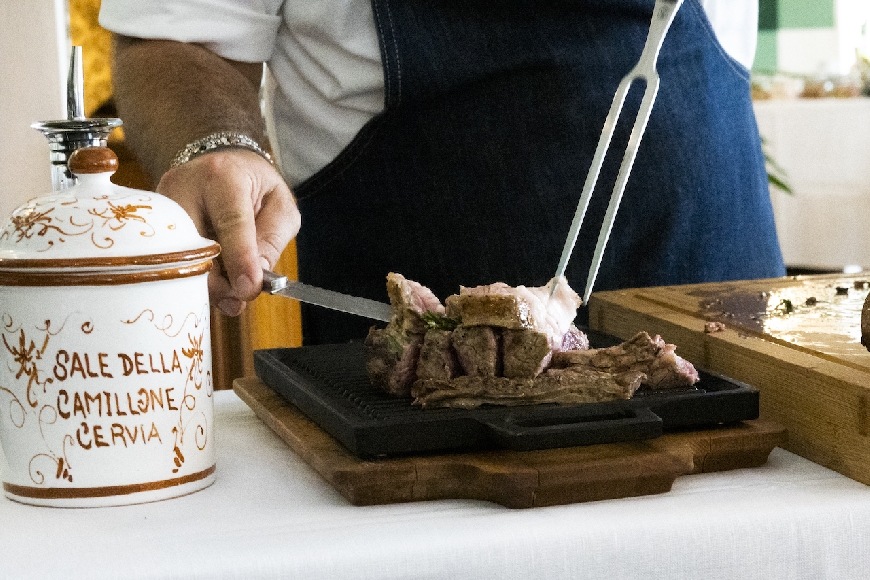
{"type": "Point", "coordinates": [96, 224]}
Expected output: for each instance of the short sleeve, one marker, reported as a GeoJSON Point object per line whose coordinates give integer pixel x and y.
{"type": "Point", "coordinates": [735, 23]}
{"type": "Point", "coordinates": [242, 30]}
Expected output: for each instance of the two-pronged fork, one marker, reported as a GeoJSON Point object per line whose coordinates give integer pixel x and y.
{"type": "Point", "coordinates": [663, 14]}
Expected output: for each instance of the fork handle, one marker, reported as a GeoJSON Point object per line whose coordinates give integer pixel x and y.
{"type": "Point", "coordinates": [663, 15]}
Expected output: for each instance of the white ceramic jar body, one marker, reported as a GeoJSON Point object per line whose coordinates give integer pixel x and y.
{"type": "Point", "coordinates": [106, 392]}
{"type": "Point", "coordinates": [105, 345]}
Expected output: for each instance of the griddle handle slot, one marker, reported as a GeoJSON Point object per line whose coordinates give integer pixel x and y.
{"type": "Point", "coordinates": [527, 431]}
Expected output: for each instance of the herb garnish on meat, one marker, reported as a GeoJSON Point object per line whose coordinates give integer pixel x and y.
{"type": "Point", "coordinates": [436, 321]}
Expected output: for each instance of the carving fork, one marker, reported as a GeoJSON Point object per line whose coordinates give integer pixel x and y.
{"type": "Point", "coordinates": [663, 14]}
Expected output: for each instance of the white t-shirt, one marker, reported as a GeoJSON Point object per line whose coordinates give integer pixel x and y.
{"type": "Point", "coordinates": [326, 77]}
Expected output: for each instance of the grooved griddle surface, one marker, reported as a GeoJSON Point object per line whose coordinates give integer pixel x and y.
{"type": "Point", "coordinates": [329, 384]}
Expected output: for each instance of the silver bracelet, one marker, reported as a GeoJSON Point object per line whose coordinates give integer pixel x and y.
{"type": "Point", "coordinates": [216, 141]}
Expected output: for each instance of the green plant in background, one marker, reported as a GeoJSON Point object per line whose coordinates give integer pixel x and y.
{"type": "Point", "coordinates": [776, 175]}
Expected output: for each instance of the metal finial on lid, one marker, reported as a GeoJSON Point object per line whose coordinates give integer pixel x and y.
{"type": "Point", "coordinates": [75, 86]}
{"type": "Point", "coordinates": [76, 131]}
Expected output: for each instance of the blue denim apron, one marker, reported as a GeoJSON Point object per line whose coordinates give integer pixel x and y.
{"type": "Point", "coordinates": [493, 109]}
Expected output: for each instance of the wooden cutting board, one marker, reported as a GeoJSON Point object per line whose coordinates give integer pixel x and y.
{"type": "Point", "coordinates": [515, 479]}
{"type": "Point", "coordinates": [796, 339]}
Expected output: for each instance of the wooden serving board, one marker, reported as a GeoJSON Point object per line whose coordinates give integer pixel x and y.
{"type": "Point", "coordinates": [795, 339]}
{"type": "Point", "coordinates": [515, 479]}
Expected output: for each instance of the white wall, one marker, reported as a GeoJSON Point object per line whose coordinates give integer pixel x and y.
{"type": "Point", "coordinates": [824, 146]}
{"type": "Point", "coordinates": [811, 51]}
{"type": "Point", "coordinates": [33, 68]}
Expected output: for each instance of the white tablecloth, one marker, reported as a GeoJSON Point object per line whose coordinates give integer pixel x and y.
{"type": "Point", "coordinates": [270, 516]}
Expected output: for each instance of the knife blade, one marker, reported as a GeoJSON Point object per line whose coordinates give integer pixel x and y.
{"type": "Point", "coordinates": [274, 283]}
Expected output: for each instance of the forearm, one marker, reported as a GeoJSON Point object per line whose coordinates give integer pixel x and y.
{"type": "Point", "coordinates": [170, 94]}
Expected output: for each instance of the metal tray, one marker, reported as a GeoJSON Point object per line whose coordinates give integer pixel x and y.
{"type": "Point", "coordinates": [329, 384]}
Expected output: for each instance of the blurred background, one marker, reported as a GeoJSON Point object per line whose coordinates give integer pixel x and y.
{"type": "Point", "coordinates": [811, 83]}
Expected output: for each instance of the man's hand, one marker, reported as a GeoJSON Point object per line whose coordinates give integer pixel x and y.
{"type": "Point", "coordinates": [173, 93]}
{"type": "Point", "coordinates": [237, 198]}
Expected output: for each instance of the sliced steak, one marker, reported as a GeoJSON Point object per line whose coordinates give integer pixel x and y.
{"type": "Point", "coordinates": [391, 359]}
{"type": "Point", "coordinates": [566, 386]}
{"type": "Point", "coordinates": [574, 339]}
{"type": "Point", "coordinates": [651, 356]}
{"type": "Point", "coordinates": [669, 370]}
{"type": "Point", "coordinates": [519, 308]}
{"type": "Point", "coordinates": [410, 301]}
{"type": "Point", "coordinates": [865, 323]}
{"type": "Point", "coordinates": [392, 353]}
{"type": "Point", "coordinates": [477, 348]}
{"type": "Point", "coordinates": [512, 346]}
{"type": "Point", "coordinates": [438, 360]}
{"type": "Point", "coordinates": [526, 353]}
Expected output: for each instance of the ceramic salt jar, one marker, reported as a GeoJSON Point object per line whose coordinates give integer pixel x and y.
{"type": "Point", "coordinates": [105, 378]}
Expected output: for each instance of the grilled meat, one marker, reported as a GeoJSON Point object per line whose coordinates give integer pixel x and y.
{"type": "Point", "coordinates": [501, 345]}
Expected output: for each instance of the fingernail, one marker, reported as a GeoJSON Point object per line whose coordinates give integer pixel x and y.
{"type": "Point", "coordinates": [244, 286]}
{"type": "Point", "coordinates": [230, 306]}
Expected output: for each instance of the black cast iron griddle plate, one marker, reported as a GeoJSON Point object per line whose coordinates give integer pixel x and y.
{"type": "Point", "coordinates": [328, 383]}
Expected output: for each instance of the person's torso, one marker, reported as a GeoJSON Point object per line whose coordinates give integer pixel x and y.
{"type": "Point", "coordinates": [327, 77]}
{"type": "Point", "coordinates": [492, 111]}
